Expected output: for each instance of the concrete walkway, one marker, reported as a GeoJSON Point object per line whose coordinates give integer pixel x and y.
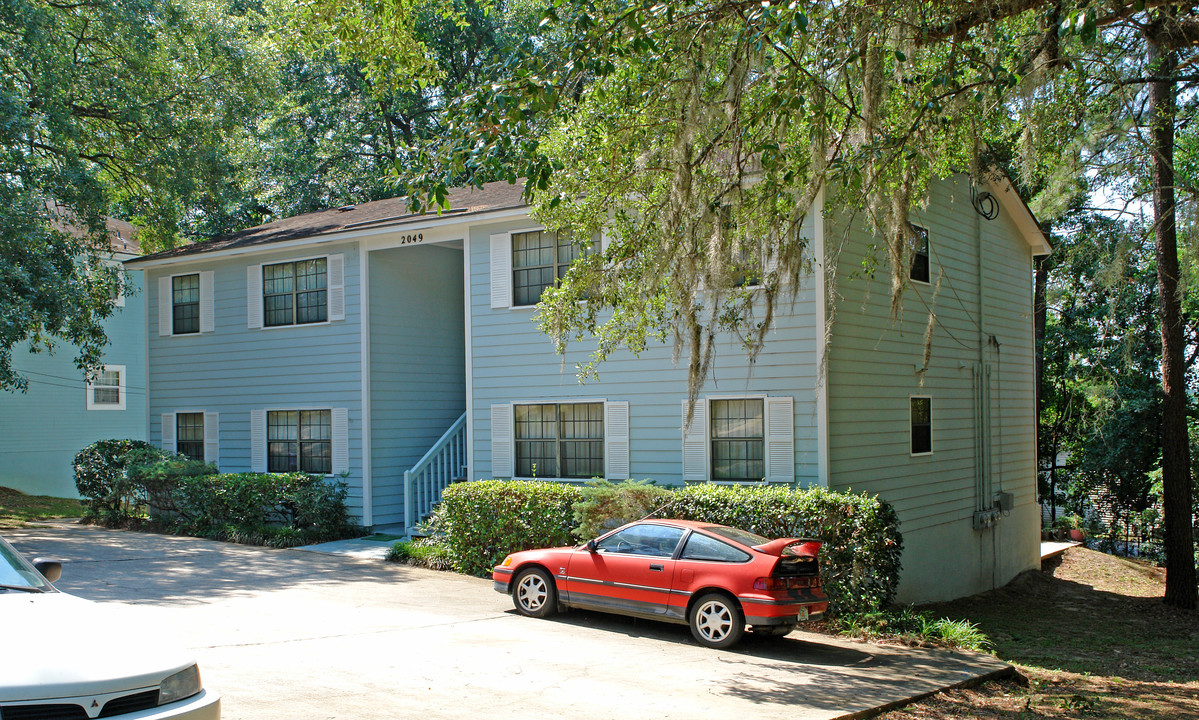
{"type": "Point", "coordinates": [361, 548]}
{"type": "Point", "coordinates": [1050, 550]}
{"type": "Point", "coordinates": [295, 634]}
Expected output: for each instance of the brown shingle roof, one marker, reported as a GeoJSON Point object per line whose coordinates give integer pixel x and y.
{"type": "Point", "coordinates": [378, 213]}
{"type": "Point", "coordinates": [122, 236]}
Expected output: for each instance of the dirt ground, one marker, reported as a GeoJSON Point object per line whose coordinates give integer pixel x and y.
{"type": "Point", "coordinates": [1091, 637]}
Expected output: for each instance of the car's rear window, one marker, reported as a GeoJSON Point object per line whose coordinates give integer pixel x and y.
{"type": "Point", "coordinates": [702, 547]}
{"type": "Point", "coordinates": [742, 536]}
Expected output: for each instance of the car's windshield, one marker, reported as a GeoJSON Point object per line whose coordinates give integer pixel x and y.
{"type": "Point", "coordinates": [742, 536]}
{"type": "Point", "coordinates": [15, 572]}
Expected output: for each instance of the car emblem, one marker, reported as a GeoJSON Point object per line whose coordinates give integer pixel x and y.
{"type": "Point", "coordinates": [95, 703]}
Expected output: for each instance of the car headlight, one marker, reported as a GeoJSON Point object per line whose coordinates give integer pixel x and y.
{"type": "Point", "coordinates": [182, 684]}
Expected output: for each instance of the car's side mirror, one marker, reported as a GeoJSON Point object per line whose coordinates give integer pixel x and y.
{"type": "Point", "coordinates": [591, 546]}
{"type": "Point", "coordinates": [50, 569]}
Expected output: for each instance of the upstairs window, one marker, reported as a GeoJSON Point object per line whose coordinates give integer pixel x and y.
{"type": "Point", "coordinates": [185, 304]}
{"type": "Point", "coordinates": [295, 293]}
{"type": "Point", "coordinates": [189, 435]}
{"type": "Point", "coordinates": [738, 440]}
{"type": "Point", "coordinates": [922, 425]}
{"type": "Point", "coordinates": [106, 391]}
{"type": "Point", "coordinates": [299, 441]}
{"type": "Point", "coordinates": [540, 259]}
{"type": "Point", "coordinates": [560, 441]}
{"type": "Point", "coordinates": [920, 271]}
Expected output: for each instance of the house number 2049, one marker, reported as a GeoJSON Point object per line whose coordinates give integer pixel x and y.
{"type": "Point", "coordinates": [410, 239]}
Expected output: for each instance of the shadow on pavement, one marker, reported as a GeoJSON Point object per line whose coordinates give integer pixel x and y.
{"type": "Point", "coordinates": [144, 568]}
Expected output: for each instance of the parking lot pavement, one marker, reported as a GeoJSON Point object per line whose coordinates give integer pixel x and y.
{"type": "Point", "coordinates": [290, 634]}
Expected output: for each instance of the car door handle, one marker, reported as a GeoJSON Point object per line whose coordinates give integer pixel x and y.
{"type": "Point", "coordinates": [656, 567]}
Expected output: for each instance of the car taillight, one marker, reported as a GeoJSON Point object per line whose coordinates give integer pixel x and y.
{"type": "Point", "coordinates": [785, 583]}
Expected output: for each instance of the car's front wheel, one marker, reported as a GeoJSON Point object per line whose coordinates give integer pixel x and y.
{"type": "Point", "coordinates": [534, 593]}
{"type": "Point", "coordinates": [716, 621]}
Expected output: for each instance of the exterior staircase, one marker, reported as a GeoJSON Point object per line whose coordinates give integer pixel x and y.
{"type": "Point", "coordinates": [443, 464]}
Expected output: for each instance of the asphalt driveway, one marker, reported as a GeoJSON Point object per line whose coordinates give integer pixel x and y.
{"type": "Point", "coordinates": [289, 634]}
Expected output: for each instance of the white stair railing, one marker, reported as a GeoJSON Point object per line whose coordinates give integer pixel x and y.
{"type": "Point", "coordinates": [443, 464]}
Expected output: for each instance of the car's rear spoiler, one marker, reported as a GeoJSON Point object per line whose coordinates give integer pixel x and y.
{"type": "Point", "coordinates": [808, 547]}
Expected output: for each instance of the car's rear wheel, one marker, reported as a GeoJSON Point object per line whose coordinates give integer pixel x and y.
{"type": "Point", "coordinates": [534, 593]}
{"type": "Point", "coordinates": [716, 621]}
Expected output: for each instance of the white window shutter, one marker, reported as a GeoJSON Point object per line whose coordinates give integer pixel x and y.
{"type": "Point", "coordinates": [207, 322]}
{"type": "Point", "coordinates": [616, 430]}
{"type": "Point", "coordinates": [164, 306]}
{"type": "Point", "coordinates": [695, 443]}
{"type": "Point", "coordinates": [501, 270]}
{"type": "Point", "coordinates": [337, 287]}
{"type": "Point", "coordinates": [212, 438]}
{"type": "Point", "coordinates": [501, 441]}
{"type": "Point", "coordinates": [341, 441]}
{"type": "Point", "coordinates": [254, 300]}
{"type": "Point", "coordinates": [119, 300]}
{"type": "Point", "coordinates": [258, 441]}
{"type": "Point", "coordinates": [168, 432]}
{"type": "Point", "coordinates": [780, 439]}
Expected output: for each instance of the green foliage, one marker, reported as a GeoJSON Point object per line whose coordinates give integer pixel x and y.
{"type": "Point", "coordinates": [106, 108]}
{"type": "Point", "coordinates": [430, 553]}
{"type": "Point", "coordinates": [860, 559]}
{"type": "Point", "coordinates": [479, 523]}
{"type": "Point", "coordinates": [484, 521]}
{"type": "Point", "coordinates": [103, 480]}
{"type": "Point", "coordinates": [909, 625]}
{"type": "Point", "coordinates": [607, 505]}
{"type": "Point", "coordinates": [124, 480]}
{"type": "Point", "coordinates": [281, 509]}
{"type": "Point", "coordinates": [155, 475]}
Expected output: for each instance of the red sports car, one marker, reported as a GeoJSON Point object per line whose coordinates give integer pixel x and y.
{"type": "Point", "coordinates": [714, 578]}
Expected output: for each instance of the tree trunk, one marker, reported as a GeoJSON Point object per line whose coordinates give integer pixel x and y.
{"type": "Point", "coordinates": [1176, 477]}
{"type": "Point", "coordinates": [1039, 317]}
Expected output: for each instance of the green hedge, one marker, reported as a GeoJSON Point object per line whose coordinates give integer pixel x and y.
{"type": "Point", "coordinates": [480, 522]}
{"type": "Point", "coordinates": [282, 509]}
{"type": "Point", "coordinates": [860, 559]}
{"type": "Point", "coordinates": [129, 482]}
{"type": "Point", "coordinates": [484, 521]}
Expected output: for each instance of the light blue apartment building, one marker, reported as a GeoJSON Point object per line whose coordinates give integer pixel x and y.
{"type": "Point", "coordinates": [399, 352]}
{"type": "Point", "coordinates": [61, 412]}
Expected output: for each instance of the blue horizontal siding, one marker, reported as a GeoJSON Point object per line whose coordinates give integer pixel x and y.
{"type": "Point", "coordinates": [43, 428]}
{"type": "Point", "coordinates": [513, 362]}
{"type": "Point", "coordinates": [418, 363]}
{"type": "Point", "coordinates": [235, 369]}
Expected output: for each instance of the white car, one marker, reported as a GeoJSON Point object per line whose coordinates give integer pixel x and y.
{"type": "Point", "coordinates": [64, 657]}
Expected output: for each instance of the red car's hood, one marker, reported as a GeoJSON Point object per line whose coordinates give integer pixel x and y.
{"type": "Point", "coordinates": [809, 546]}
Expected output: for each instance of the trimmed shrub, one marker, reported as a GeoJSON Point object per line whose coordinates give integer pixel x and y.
{"type": "Point", "coordinates": [282, 510]}
{"type": "Point", "coordinates": [484, 521]}
{"type": "Point", "coordinates": [155, 479]}
{"type": "Point", "coordinates": [860, 559]}
{"type": "Point", "coordinates": [607, 505]}
{"type": "Point", "coordinates": [102, 479]}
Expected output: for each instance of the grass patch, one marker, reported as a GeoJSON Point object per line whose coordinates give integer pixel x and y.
{"type": "Point", "coordinates": [1092, 637]}
{"type": "Point", "coordinates": [17, 508]}
{"type": "Point", "coordinates": [912, 627]}
{"type": "Point", "coordinates": [422, 552]}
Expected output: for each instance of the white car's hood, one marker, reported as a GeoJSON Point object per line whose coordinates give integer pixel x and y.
{"type": "Point", "coordinates": [57, 645]}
